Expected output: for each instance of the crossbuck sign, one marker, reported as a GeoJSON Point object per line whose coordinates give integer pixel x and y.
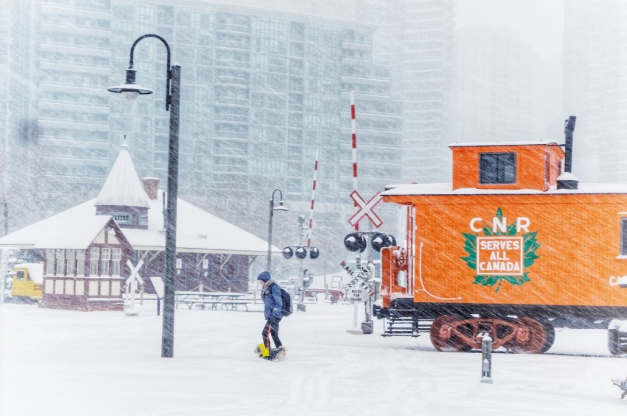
{"type": "Point", "coordinates": [358, 289]}
{"type": "Point", "coordinates": [365, 209]}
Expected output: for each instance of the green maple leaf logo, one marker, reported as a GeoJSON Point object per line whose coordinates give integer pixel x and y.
{"type": "Point", "coordinates": [530, 245]}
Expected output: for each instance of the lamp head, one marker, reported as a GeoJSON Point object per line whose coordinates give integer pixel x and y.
{"type": "Point", "coordinates": [280, 207]}
{"type": "Point", "coordinates": [130, 90]}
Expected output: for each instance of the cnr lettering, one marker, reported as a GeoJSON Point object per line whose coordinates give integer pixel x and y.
{"type": "Point", "coordinates": [500, 225]}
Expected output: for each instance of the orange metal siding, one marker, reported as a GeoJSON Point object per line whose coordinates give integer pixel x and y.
{"type": "Point", "coordinates": [578, 234]}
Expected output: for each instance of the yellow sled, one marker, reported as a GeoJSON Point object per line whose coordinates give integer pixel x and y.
{"type": "Point", "coordinates": [277, 354]}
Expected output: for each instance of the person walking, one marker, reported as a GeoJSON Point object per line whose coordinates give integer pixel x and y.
{"type": "Point", "coordinates": [272, 301]}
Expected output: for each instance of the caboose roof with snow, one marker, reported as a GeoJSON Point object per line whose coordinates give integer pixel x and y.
{"type": "Point", "coordinates": [516, 167]}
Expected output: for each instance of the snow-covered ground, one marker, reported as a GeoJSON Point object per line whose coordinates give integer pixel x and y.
{"type": "Point", "coordinates": [66, 363]}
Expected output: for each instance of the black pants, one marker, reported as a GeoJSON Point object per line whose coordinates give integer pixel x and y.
{"type": "Point", "coordinates": [271, 329]}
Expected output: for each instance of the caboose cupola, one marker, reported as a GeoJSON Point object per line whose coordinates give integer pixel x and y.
{"type": "Point", "coordinates": [507, 166]}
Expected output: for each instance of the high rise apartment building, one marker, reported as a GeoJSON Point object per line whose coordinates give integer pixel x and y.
{"type": "Point", "coordinates": [495, 87]}
{"type": "Point", "coordinates": [261, 92]}
{"type": "Point", "coordinates": [416, 36]}
{"type": "Point", "coordinates": [595, 88]}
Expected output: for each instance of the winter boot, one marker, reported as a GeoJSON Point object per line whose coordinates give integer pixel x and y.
{"type": "Point", "coordinates": [279, 354]}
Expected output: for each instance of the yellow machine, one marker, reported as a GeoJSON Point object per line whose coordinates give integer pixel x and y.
{"type": "Point", "coordinates": [27, 281]}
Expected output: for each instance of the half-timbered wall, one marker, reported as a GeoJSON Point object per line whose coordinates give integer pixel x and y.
{"type": "Point", "coordinates": [90, 279]}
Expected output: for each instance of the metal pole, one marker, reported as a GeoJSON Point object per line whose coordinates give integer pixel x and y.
{"type": "Point", "coordinates": [486, 359]}
{"type": "Point", "coordinates": [569, 128]}
{"type": "Point", "coordinates": [269, 265]}
{"type": "Point", "coordinates": [369, 278]}
{"type": "Point", "coordinates": [356, 303]}
{"type": "Point", "coordinates": [301, 284]}
{"type": "Point", "coordinates": [167, 345]}
{"type": "Point", "coordinates": [4, 260]}
{"type": "Point", "coordinates": [6, 217]}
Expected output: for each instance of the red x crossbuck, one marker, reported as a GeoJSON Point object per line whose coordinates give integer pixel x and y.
{"type": "Point", "coordinates": [365, 209]}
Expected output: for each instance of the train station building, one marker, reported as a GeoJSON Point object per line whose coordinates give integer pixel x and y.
{"type": "Point", "coordinates": [87, 251]}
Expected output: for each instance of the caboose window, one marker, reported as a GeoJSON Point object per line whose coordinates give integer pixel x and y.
{"type": "Point", "coordinates": [497, 168]}
{"type": "Point", "coordinates": [623, 237]}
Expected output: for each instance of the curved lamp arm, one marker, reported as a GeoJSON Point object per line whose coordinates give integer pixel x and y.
{"type": "Point", "coordinates": [280, 195]}
{"type": "Point", "coordinates": [168, 69]}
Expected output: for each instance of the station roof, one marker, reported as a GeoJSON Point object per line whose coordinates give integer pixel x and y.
{"type": "Point", "coordinates": [123, 187]}
{"type": "Point", "coordinates": [197, 231]}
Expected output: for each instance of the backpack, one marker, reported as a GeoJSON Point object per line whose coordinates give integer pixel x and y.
{"type": "Point", "coordinates": [286, 300]}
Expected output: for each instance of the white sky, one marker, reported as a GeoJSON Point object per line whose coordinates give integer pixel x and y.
{"type": "Point", "coordinates": [538, 22]}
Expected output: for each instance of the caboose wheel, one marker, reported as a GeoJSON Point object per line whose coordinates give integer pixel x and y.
{"type": "Point", "coordinates": [534, 338]}
{"type": "Point", "coordinates": [550, 337]}
{"type": "Point", "coordinates": [443, 335]}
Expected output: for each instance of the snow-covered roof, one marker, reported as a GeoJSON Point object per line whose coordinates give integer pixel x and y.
{"type": "Point", "coordinates": [197, 231]}
{"type": "Point", "coordinates": [510, 143]}
{"type": "Point", "coordinates": [447, 189]}
{"type": "Point", "coordinates": [71, 229]}
{"type": "Point", "coordinates": [123, 187]}
{"type": "Point", "coordinates": [567, 176]}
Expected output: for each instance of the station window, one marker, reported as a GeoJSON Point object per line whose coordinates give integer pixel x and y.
{"type": "Point", "coordinates": [80, 263]}
{"type": "Point", "coordinates": [105, 257]}
{"type": "Point", "coordinates": [497, 168]}
{"type": "Point", "coordinates": [116, 260]}
{"type": "Point", "coordinates": [122, 218]}
{"type": "Point", "coordinates": [93, 261]}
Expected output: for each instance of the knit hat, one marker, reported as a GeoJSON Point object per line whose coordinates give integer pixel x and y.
{"type": "Point", "coordinates": [264, 276]}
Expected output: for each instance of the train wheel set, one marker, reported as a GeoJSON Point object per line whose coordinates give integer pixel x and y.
{"type": "Point", "coordinates": [521, 336]}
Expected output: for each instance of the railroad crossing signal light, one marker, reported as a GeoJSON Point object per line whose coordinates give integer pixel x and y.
{"type": "Point", "coordinates": [301, 253]}
{"type": "Point", "coordinates": [380, 240]}
{"type": "Point", "coordinates": [354, 242]}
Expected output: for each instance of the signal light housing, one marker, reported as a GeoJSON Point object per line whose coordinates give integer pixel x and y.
{"type": "Point", "coordinates": [288, 253]}
{"type": "Point", "coordinates": [355, 242]}
{"type": "Point", "coordinates": [301, 253]}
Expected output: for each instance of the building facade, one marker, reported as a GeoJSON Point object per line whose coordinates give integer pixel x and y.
{"type": "Point", "coordinates": [416, 36]}
{"type": "Point", "coordinates": [261, 92]}
{"type": "Point", "coordinates": [595, 88]}
{"type": "Point", "coordinates": [495, 87]}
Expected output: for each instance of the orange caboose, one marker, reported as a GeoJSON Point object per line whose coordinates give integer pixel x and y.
{"type": "Point", "coordinates": [505, 250]}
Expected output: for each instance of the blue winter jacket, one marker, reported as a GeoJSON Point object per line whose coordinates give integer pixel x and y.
{"type": "Point", "coordinates": [273, 303]}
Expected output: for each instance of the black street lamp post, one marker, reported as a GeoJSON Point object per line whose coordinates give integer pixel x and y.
{"type": "Point", "coordinates": [173, 88]}
{"type": "Point", "coordinates": [272, 209]}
